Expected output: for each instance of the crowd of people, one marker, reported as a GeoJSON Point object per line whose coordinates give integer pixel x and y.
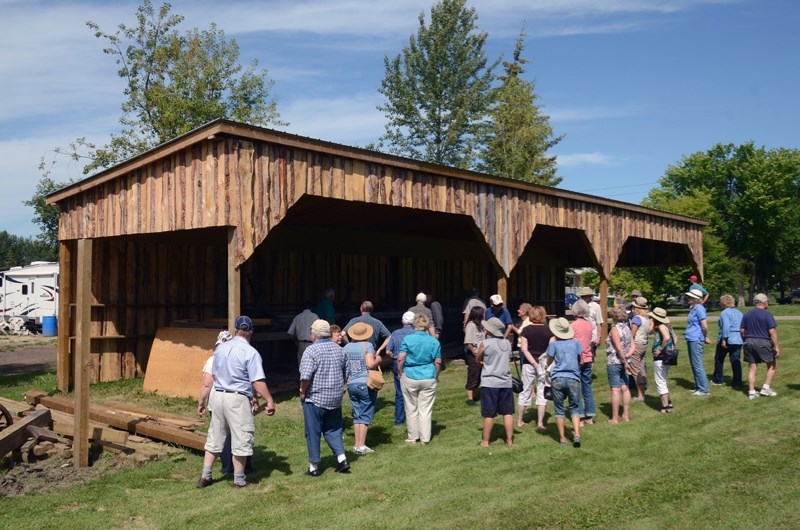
{"type": "Point", "coordinates": [557, 360]}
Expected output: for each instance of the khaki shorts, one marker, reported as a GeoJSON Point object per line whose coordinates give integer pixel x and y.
{"type": "Point", "coordinates": [232, 414]}
{"type": "Point", "coordinates": [637, 366]}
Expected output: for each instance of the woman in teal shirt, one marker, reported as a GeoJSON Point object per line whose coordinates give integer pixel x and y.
{"type": "Point", "coordinates": [418, 364]}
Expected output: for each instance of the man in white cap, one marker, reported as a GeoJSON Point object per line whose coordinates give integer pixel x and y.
{"type": "Point", "coordinates": [323, 370]}
{"type": "Point", "coordinates": [421, 309]}
{"type": "Point", "coordinates": [238, 371]}
{"type": "Point", "coordinates": [392, 348]}
{"type": "Point", "coordinates": [760, 335]}
{"type": "Point", "coordinates": [496, 310]}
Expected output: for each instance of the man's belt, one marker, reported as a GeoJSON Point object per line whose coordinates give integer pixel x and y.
{"type": "Point", "coordinates": [245, 394]}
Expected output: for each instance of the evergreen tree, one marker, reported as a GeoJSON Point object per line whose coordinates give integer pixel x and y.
{"type": "Point", "coordinates": [438, 90]}
{"type": "Point", "coordinates": [519, 135]}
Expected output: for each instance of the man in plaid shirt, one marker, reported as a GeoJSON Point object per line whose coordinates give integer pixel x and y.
{"type": "Point", "coordinates": [323, 370]}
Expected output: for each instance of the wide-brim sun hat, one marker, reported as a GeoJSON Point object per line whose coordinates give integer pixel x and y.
{"type": "Point", "coordinates": [561, 329]}
{"type": "Point", "coordinates": [659, 314]}
{"type": "Point", "coordinates": [585, 291]}
{"type": "Point", "coordinates": [697, 294]}
{"type": "Point", "coordinates": [640, 302]}
{"type": "Point", "coordinates": [494, 326]}
{"type": "Point", "coordinates": [360, 331]}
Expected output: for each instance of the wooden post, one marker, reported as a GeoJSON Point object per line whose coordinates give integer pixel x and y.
{"type": "Point", "coordinates": [83, 328]}
{"type": "Point", "coordinates": [65, 295]}
{"type": "Point", "coordinates": [502, 284]}
{"type": "Point", "coordinates": [604, 309]}
{"type": "Point", "coordinates": [234, 281]}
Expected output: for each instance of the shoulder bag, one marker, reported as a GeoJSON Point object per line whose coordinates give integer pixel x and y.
{"type": "Point", "coordinates": [375, 379]}
{"type": "Point", "coordinates": [669, 356]}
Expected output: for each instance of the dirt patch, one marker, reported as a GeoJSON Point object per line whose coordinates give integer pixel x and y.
{"type": "Point", "coordinates": [51, 474]}
{"type": "Point", "coordinates": [26, 354]}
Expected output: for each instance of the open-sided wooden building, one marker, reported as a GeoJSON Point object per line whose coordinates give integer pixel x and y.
{"type": "Point", "coordinates": [233, 219]}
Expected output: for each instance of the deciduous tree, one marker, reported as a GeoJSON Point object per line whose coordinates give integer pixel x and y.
{"type": "Point", "coordinates": [174, 82]}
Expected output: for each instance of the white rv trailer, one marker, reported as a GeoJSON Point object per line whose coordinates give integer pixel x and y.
{"type": "Point", "coordinates": [29, 292]}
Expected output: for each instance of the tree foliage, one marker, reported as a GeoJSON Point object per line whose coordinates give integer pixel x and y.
{"type": "Point", "coordinates": [438, 89]}
{"type": "Point", "coordinates": [18, 251]}
{"type": "Point", "coordinates": [177, 82]}
{"type": "Point", "coordinates": [749, 195]}
{"type": "Point", "coordinates": [174, 83]}
{"type": "Point", "coordinates": [519, 135]}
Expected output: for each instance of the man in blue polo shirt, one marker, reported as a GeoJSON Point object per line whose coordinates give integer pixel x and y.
{"type": "Point", "coordinates": [496, 310]}
{"type": "Point", "coordinates": [237, 371]}
{"type": "Point", "coordinates": [760, 335]}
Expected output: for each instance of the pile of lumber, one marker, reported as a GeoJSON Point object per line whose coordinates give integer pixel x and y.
{"type": "Point", "coordinates": [44, 426]}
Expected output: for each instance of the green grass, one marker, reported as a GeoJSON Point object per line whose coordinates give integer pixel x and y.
{"type": "Point", "coordinates": [716, 462]}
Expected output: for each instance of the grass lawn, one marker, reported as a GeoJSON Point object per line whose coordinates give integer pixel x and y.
{"type": "Point", "coordinates": [717, 462]}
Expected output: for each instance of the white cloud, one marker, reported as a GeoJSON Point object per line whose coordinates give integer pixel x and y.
{"type": "Point", "coordinates": [349, 120]}
{"type": "Point", "coordinates": [587, 159]}
{"type": "Point", "coordinates": [577, 114]}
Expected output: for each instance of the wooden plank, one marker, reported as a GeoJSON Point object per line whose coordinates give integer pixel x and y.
{"type": "Point", "coordinates": [122, 420]}
{"type": "Point", "coordinates": [17, 434]}
{"type": "Point", "coordinates": [83, 312]}
{"type": "Point", "coordinates": [156, 415]}
{"type": "Point", "coordinates": [64, 423]}
{"type": "Point", "coordinates": [176, 360]}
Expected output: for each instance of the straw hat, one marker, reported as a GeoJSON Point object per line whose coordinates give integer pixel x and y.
{"type": "Point", "coordinates": [659, 314]}
{"type": "Point", "coordinates": [585, 291]}
{"type": "Point", "coordinates": [640, 302]}
{"type": "Point", "coordinates": [360, 331]}
{"type": "Point", "coordinates": [561, 329]}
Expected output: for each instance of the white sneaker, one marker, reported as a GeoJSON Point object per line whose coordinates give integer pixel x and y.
{"type": "Point", "coordinates": [366, 449]}
{"type": "Point", "coordinates": [698, 393]}
{"type": "Point", "coordinates": [768, 392]}
{"type": "Point", "coordinates": [752, 395]}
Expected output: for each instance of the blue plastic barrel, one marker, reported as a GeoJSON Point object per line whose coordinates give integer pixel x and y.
{"type": "Point", "coordinates": [50, 326]}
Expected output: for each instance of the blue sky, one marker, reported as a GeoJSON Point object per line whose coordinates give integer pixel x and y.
{"type": "Point", "coordinates": [634, 85]}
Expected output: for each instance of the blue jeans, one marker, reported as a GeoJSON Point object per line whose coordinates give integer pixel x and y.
{"type": "Point", "coordinates": [586, 406]}
{"type": "Point", "coordinates": [696, 360]}
{"type": "Point", "coordinates": [363, 401]}
{"type": "Point", "coordinates": [399, 406]}
{"type": "Point", "coordinates": [322, 422]}
{"type": "Point", "coordinates": [736, 365]}
{"type": "Point", "coordinates": [562, 388]}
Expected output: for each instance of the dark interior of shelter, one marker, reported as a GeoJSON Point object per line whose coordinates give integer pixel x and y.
{"type": "Point", "coordinates": [363, 252]}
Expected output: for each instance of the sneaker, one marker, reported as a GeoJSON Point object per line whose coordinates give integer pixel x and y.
{"type": "Point", "coordinates": [714, 383]}
{"type": "Point", "coordinates": [768, 392]}
{"type": "Point", "coordinates": [471, 402]}
{"type": "Point", "coordinates": [203, 482]}
{"type": "Point", "coordinates": [637, 398]}
{"type": "Point", "coordinates": [343, 467]}
{"type": "Point", "coordinates": [752, 395]}
{"type": "Point", "coordinates": [362, 450]}
{"type": "Point", "coordinates": [699, 393]}
{"type": "Point", "coordinates": [576, 442]}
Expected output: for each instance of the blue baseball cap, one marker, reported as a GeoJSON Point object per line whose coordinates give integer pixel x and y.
{"type": "Point", "coordinates": [244, 323]}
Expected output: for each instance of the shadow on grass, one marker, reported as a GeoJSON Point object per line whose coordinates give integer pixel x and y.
{"type": "Point", "coordinates": [685, 383]}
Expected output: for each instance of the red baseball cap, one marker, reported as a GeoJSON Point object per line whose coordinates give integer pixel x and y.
{"type": "Point", "coordinates": [692, 278]}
